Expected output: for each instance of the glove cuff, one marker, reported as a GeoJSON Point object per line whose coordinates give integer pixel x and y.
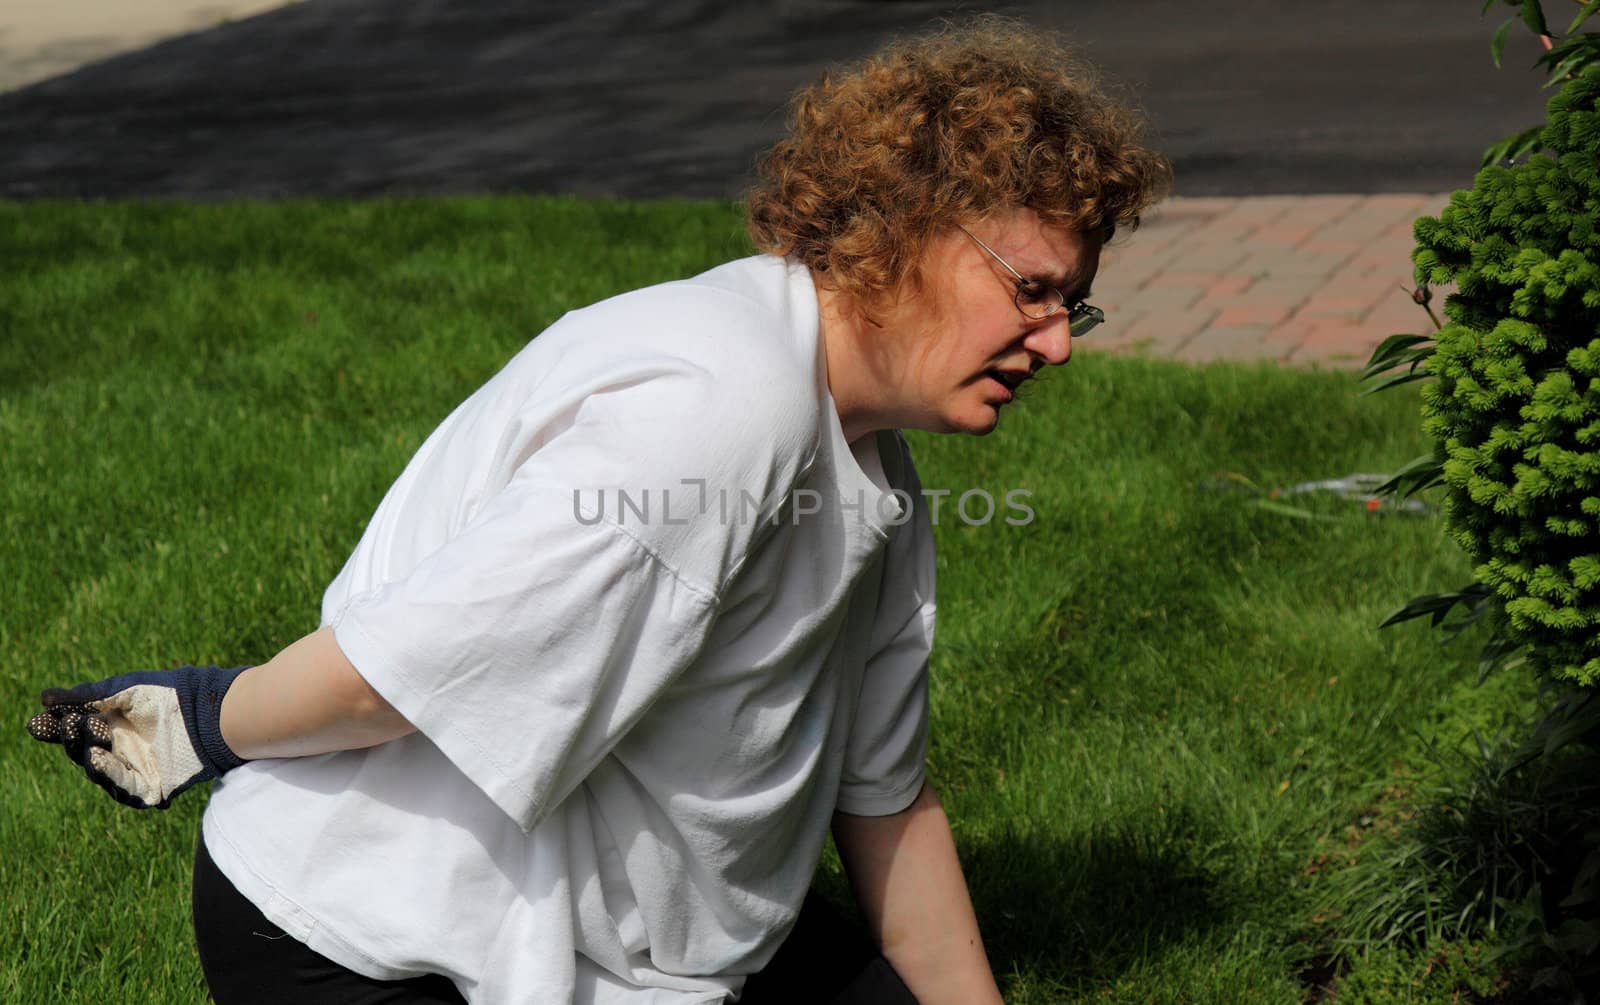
{"type": "Point", "coordinates": [203, 715]}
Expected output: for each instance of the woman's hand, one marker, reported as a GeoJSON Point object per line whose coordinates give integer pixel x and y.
{"type": "Point", "coordinates": [143, 737]}
{"type": "Point", "coordinates": [146, 737]}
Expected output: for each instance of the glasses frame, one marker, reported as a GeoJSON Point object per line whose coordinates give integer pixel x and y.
{"type": "Point", "coordinates": [1082, 318]}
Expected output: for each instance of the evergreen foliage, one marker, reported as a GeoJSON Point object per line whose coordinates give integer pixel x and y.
{"type": "Point", "coordinates": [1515, 410]}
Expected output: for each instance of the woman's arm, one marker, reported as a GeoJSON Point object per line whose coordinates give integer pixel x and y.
{"type": "Point", "coordinates": [908, 881]}
{"type": "Point", "coordinates": [147, 736]}
{"type": "Point", "coordinates": [308, 699]}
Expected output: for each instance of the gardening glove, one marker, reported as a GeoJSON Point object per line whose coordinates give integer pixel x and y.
{"type": "Point", "coordinates": [143, 737]}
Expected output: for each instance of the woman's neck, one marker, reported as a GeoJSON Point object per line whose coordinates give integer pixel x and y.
{"type": "Point", "coordinates": [856, 378]}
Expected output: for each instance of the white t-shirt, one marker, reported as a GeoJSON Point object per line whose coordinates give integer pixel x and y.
{"type": "Point", "coordinates": [654, 620]}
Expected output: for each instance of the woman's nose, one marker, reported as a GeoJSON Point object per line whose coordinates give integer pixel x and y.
{"type": "Point", "coordinates": [1051, 341]}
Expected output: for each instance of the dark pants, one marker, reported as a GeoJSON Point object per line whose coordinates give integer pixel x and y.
{"type": "Point", "coordinates": [247, 960]}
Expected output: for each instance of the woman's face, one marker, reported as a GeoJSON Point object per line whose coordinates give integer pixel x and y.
{"type": "Point", "coordinates": [954, 353]}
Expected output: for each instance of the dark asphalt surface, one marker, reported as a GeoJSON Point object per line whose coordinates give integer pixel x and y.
{"type": "Point", "coordinates": [676, 97]}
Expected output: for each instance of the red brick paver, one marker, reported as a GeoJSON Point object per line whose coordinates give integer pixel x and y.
{"type": "Point", "coordinates": [1316, 280]}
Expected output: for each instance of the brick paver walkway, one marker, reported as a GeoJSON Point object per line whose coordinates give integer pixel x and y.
{"type": "Point", "coordinates": [1298, 279]}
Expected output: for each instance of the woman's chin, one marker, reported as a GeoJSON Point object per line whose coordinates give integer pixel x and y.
{"type": "Point", "coordinates": [974, 420]}
{"type": "Point", "coordinates": [980, 422]}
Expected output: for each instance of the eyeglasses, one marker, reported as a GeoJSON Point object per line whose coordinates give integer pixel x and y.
{"type": "Point", "coordinates": [1038, 301]}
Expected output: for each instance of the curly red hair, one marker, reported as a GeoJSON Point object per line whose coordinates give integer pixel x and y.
{"type": "Point", "coordinates": [942, 130]}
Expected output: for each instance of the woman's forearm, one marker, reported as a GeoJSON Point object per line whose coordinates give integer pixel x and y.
{"type": "Point", "coordinates": [306, 700]}
{"type": "Point", "coordinates": [908, 880]}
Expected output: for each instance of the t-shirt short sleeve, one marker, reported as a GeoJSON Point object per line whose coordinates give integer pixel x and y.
{"type": "Point", "coordinates": [883, 769]}
{"type": "Point", "coordinates": [531, 641]}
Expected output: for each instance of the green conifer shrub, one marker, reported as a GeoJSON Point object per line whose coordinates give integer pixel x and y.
{"type": "Point", "coordinates": [1515, 408]}
{"type": "Point", "coordinates": [1513, 381]}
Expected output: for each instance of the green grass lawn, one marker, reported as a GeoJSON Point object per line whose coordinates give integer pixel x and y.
{"type": "Point", "coordinates": [1158, 708]}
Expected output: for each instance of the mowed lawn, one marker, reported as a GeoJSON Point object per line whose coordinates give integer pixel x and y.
{"type": "Point", "coordinates": [1157, 706]}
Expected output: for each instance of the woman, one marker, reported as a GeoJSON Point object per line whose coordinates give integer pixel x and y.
{"type": "Point", "coordinates": [650, 611]}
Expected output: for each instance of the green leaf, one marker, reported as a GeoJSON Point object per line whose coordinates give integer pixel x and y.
{"type": "Point", "coordinates": [1499, 652]}
{"type": "Point", "coordinates": [1436, 606]}
{"type": "Point", "coordinates": [1513, 147]}
{"type": "Point", "coordinates": [1482, 602]}
{"type": "Point", "coordinates": [1583, 718]}
{"type": "Point", "coordinates": [1574, 715]}
{"type": "Point", "coordinates": [1497, 44]}
{"type": "Point", "coordinates": [1574, 64]}
{"type": "Point", "coordinates": [1396, 342]}
{"type": "Point", "coordinates": [1526, 143]}
{"type": "Point", "coordinates": [1572, 50]}
{"type": "Point", "coordinates": [1404, 378]}
{"type": "Point", "coordinates": [1394, 351]}
{"type": "Point", "coordinates": [1413, 357]}
{"type": "Point", "coordinates": [1587, 11]}
{"type": "Point", "coordinates": [1421, 473]}
{"type": "Point", "coordinates": [1533, 17]}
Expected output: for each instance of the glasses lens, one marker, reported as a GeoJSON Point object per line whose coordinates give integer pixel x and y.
{"type": "Point", "coordinates": [1037, 300]}
{"type": "Point", "coordinates": [1084, 319]}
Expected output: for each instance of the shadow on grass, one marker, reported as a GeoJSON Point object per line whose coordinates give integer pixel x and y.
{"type": "Point", "coordinates": [1501, 853]}
{"type": "Point", "coordinates": [1090, 905]}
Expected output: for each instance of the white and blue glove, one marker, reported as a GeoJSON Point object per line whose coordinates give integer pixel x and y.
{"type": "Point", "coordinates": [143, 737]}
